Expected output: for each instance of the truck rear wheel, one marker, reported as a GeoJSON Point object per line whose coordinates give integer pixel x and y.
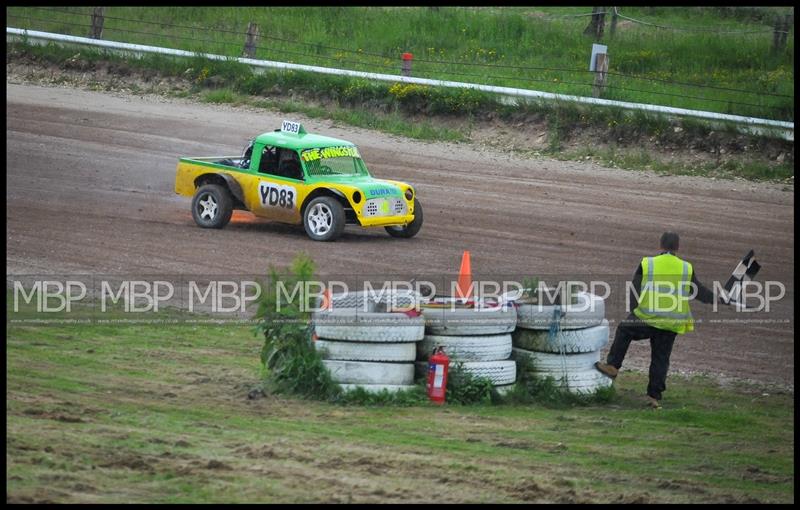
{"type": "Point", "coordinates": [324, 219]}
{"type": "Point", "coordinates": [212, 206]}
{"type": "Point", "coordinates": [412, 228]}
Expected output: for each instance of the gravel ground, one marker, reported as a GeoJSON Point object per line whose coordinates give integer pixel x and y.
{"type": "Point", "coordinates": [90, 190]}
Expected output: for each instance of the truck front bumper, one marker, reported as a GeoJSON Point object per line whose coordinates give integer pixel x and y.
{"type": "Point", "coordinates": [385, 221]}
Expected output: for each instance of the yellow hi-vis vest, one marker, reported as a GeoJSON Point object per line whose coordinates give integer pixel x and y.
{"type": "Point", "coordinates": [664, 298]}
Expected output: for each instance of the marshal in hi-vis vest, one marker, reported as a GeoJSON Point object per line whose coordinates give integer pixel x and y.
{"type": "Point", "coordinates": [664, 298]}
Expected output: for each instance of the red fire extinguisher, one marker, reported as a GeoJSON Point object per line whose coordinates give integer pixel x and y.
{"type": "Point", "coordinates": [437, 375]}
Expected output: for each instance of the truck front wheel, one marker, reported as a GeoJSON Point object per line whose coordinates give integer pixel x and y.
{"type": "Point", "coordinates": [212, 206]}
{"type": "Point", "coordinates": [412, 228]}
{"type": "Point", "coordinates": [324, 219]}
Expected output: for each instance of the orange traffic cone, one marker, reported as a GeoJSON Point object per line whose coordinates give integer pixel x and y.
{"type": "Point", "coordinates": [464, 286]}
{"type": "Point", "coordinates": [327, 302]}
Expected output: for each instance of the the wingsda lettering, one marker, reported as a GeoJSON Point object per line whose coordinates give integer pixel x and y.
{"type": "Point", "coordinates": [330, 152]}
{"type": "Point", "coordinates": [275, 195]}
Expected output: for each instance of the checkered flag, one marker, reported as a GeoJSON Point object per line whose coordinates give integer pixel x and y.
{"type": "Point", "coordinates": [744, 272]}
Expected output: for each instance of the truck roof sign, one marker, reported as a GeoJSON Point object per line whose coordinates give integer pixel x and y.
{"type": "Point", "coordinates": [292, 128]}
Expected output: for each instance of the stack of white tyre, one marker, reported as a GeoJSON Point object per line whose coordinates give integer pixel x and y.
{"type": "Point", "coordinates": [476, 339]}
{"type": "Point", "coordinates": [364, 345]}
{"type": "Point", "coordinates": [569, 356]}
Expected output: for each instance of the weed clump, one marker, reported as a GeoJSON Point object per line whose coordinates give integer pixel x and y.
{"type": "Point", "coordinates": [465, 388]}
{"type": "Point", "coordinates": [290, 361]}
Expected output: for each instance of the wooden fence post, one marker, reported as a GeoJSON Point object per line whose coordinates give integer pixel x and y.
{"type": "Point", "coordinates": [614, 21]}
{"type": "Point", "coordinates": [600, 74]}
{"type": "Point", "coordinates": [591, 28]}
{"type": "Point", "coordinates": [776, 34]}
{"type": "Point", "coordinates": [96, 31]}
{"type": "Point", "coordinates": [251, 40]}
{"type": "Point", "coordinates": [597, 23]}
{"type": "Point", "coordinates": [781, 31]}
{"type": "Point", "coordinates": [601, 22]}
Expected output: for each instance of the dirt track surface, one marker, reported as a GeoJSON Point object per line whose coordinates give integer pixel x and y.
{"type": "Point", "coordinates": [90, 190]}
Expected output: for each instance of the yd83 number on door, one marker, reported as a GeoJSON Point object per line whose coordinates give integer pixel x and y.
{"type": "Point", "coordinates": [275, 195]}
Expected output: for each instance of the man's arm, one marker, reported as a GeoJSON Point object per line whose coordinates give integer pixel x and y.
{"type": "Point", "coordinates": [703, 294]}
{"type": "Point", "coordinates": [637, 285]}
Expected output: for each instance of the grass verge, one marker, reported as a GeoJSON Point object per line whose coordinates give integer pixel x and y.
{"type": "Point", "coordinates": [167, 412]}
{"type": "Point", "coordinates": [628, 140]}
{"type": "Point", "coordinates": [714, 59]}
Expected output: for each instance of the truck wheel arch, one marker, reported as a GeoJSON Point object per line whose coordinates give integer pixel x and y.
{"type": "Point", "coordinates": [338, 195]}
{"type": "Point", "coordinates": [222, 179]}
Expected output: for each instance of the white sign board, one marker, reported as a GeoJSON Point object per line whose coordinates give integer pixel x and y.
{"type": "Point", "coordinates": [290, 127]}
{"type": "Point", "coordinates": [596, 48]}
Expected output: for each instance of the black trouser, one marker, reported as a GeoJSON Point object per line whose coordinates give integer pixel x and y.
{"type": "Point", "coordinates": [633, 328]}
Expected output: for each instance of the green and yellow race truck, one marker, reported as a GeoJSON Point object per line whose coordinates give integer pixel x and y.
{"type": "Point", "coordinates": [291, 176]}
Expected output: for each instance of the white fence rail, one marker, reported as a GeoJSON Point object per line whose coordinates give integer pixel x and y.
{"type": "Point", "coordinates": [510, 95]}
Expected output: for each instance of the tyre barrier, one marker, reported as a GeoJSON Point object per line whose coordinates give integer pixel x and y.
{"type": "Point", "coordinates": [551, 362]}
{"type": "Point", "coordinates": [571, 340]}
{"type": "Point", "coordinates": [500, 372]}
{"type": "Point", "coordinates": [467, 348]}
{"type": "Point", "coordinates": [372, 301]}
{"type": "Point", "coordinates": [577, 381]}
{"type": "Point", "coordinates": [374, 349]}
{"type": "Point", "coordinates": [469, 321]}
{"type": "Point", "coordinates": [365, 372]}
{"type": "Point", "coordinates": [589, 311]}
{"type": "Point", "coordinates": [504, 389]}
{"type": "Point", "coordinates": [569, 356]}
{"type": "Point", "coordinates": [377, 388]}
{"type": "Point", "coordinates": [354, 326]}
{"type": "Point", "coordinates": [366, 351]}
{"type": "Point", "coordinates": [585, 376]}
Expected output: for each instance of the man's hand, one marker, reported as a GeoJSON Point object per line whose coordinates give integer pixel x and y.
{"type": "Point", "coordinates": [730, 302]}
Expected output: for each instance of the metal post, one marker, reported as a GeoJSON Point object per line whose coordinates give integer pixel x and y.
{"type": "Point", "coordinates": [96, 31]}
{"type": "Point", "coordinates": [407, 58]}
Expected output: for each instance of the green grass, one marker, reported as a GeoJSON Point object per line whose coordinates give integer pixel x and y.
{"type": "Point", "coordinates": [426, 113]}
{"type": "Point", "coordinates": [642, 159]}
{"type": "Point", "coordinates": [160, 413]}
{"type": "Point", "coordinates": [373, 38]}
{"type": "Point", "coordinates": [222, 96]}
